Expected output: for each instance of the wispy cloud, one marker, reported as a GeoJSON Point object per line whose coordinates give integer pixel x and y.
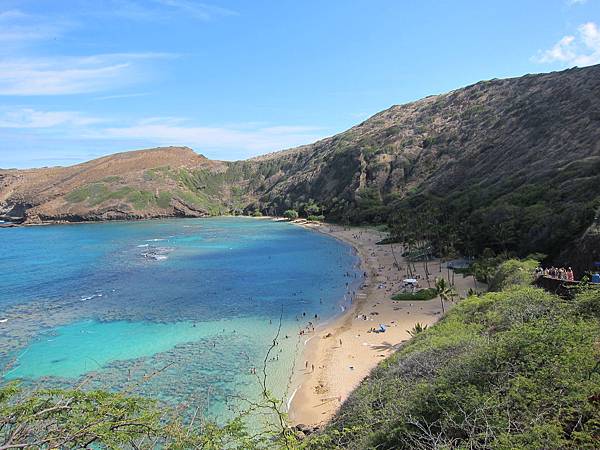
{"type": "Point", "coordinates": [160, 10]}
{"type": "Point", "coordinates": [121, 96]}
{"type": "Point", "coordinates": [70, 75]}
{"type": "Point", "coordinates": [197, 10]}
{"type": "Point", "coordinates": [240, 138]}
{"type": "Point", "coordinates": [26, 118]}
{"type": "Point", "coordinates": [582, 49]}
{"type": "Point", "coordinates": [222, 141]}
{"type": "Point", "coordinates": [18, 27]}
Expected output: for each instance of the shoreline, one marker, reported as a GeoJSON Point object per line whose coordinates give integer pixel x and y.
{"type": "Point", "coordinates": [343, 351]}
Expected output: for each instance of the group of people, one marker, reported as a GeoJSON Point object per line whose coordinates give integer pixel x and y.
{"type": "Point", "coordinates": [559, 273]}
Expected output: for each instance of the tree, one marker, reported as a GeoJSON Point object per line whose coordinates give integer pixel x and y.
{"type": "Point", "coordinates": [291, 214]}
{"type": "Point", "coordinates": [73, 418]}
{"type": "Point", "coordinates": [418, 328]}
{"type": "Point", "coordinates": [312, 209]}
{"type": "Point", "coordinates": [444, 291]}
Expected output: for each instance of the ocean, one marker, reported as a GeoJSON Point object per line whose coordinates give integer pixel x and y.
{"type": "Point", "coordinates": [180, 310]}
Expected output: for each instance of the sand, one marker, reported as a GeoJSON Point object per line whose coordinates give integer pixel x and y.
{"type": "Point", "coordinates": [343, 352]}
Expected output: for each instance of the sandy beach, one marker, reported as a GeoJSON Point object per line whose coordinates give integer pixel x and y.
{"type": "Point", "coordinates": [343, 352]}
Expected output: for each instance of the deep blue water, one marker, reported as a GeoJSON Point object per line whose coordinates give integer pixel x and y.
{"type": "Point", "coordinates": [115, 301]}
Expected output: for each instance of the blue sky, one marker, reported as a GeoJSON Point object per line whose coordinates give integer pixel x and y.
{"type": "Point", "coordinates": [233, 79]}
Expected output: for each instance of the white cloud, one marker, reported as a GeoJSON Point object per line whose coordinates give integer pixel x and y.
{"type": "Point", "coordinates": [223, 141]}
{"type": "Point", "coordinates": [120, 96]}
{"type": "Point", "coordinates": [31, 118]}
{"type": "Point", "coordinates": [17, 27]}
{"type": "Point", "coordinates": [160, 10]}
{"type": "Point", "coordinates": [12, 14]}
{"type": "Point", "coordinates": [236, 138]}
{"type": "Point", "coordinates": [70, 75]}
{"type": "Point", "coordinates": [196, 10]}
{"type": "Point", "coordinates": [580, 50]}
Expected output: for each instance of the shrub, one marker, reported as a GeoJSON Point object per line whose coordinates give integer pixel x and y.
{"type": "Point", "coordinates": [291, 214]}
{"type": "Point", "coordinates": [422, 294]}
{"type": "Point", "coordinates": [73, 418]}
{"type": "Point", "coordinates": [513, 272]}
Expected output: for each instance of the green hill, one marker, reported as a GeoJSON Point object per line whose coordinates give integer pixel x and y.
{"type": "Point", "coordinates": [513, 369]}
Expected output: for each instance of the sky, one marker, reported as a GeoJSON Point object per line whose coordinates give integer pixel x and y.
{"type": "Point", "coordinates": [233, 79]}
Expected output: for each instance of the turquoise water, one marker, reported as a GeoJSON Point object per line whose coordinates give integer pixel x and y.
{"type": "Point", "coordinates": [198, 301]}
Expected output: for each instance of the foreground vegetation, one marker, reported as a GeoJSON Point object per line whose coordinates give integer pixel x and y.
{"type": "Point", "coordinates": [518, 368]}
{"type": "Point", "coordinates": [77, 419]}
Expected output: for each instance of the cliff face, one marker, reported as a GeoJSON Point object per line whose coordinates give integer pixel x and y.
{"type": "Point", "coordinates": [500, 135]}
{"type": "Point", "coordinates": [515, 162]}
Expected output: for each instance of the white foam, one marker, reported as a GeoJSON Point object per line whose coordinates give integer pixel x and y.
{"type": "Point", "coordinates": [289, 402]}
{"type": "Point", "coordinates": [89, 297]}
{"type": "Point", "coordinates": [306, 341]}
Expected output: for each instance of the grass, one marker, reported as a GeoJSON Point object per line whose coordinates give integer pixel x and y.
{"type": "Point", "coordinates": [164, 199]}
{"type": "Point", "coordinates": [423, 294]}
{"type": "Point", "coordinates": [95, 194]}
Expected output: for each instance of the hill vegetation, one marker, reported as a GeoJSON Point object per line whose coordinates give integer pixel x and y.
{"type": "Point", "coordinates": [511, 165]}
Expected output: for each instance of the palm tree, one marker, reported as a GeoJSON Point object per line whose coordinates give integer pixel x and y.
{"type": "Point", "coordinates": [444, 291]}
{"type": "Point", "coordinates": [418, 328]}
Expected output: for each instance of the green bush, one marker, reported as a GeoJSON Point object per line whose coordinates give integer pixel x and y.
{"type": "Point", "coordinates": [73, 418]}
{"type": "Point", "coordinates": [291, 214]}
{"type": "Point", "coordinates": [422, 294]}
{"type": "Point", "coordinates": [314, 218]}
{"type": "Point", "coordinates": [513, 272]}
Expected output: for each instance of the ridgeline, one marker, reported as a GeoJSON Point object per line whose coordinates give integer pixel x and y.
{"type": "Point", "coordinates": [511, 165]}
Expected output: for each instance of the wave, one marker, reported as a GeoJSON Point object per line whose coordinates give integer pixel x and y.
{"type": "Point", "coordinates": [154, 256]}
{"type": "Point", "coordinates": [289, 402]}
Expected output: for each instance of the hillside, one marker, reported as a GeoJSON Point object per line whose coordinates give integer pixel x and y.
{"type": "Point", "coordinates": [516, 369]}
{"type": "Point", "coordinates": [138, 184]}
{"type": "Point", "coordinates": [511, 164]}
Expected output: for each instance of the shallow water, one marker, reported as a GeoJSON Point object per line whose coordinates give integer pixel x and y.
{"type": "Point", "coordinates": [197, 300]}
